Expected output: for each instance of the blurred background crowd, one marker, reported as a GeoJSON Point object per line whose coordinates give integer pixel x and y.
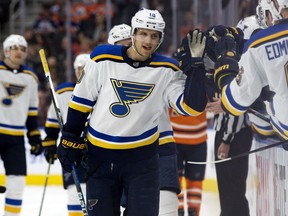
{"type": "Point", "coordinates": [65, 28]}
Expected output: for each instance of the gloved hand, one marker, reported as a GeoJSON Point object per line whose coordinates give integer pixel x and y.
{"type": "Point", "coordinates": [226, 66]}
{"type": "Point", "coordinates": [50, 149]}
{"type": "Point", "coordinates": [70, 150]}
{"type": "Point", "coordinates": [226, 47]}
{"type": "Point", "coordinates": [217, 32]}
{"type": "Point", "coordinates": [190, 53]}
{"type": "Point", "coordinates": [35, 141]}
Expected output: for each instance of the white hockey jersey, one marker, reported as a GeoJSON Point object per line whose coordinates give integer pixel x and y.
{"type": "Point", "coordinates": [19, 100]}
{"type": "Point", "coordinates": [264, 62]}
{"type": "Point", "coordinates": [63, 97]}
{"type": "Point", "coordinates": [127, 97]}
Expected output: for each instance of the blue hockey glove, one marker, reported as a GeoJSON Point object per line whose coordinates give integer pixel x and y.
{"type": "Point", "coordinates": [70, 150]}
{"type": "Point", "coordinates": [50, 149]}
{"type": "Point", "coordinates": [190, 53]}
{"type": "Point", "coordinates": [226, 66]}
{"type": "Point", "coordinates": [35, 141]}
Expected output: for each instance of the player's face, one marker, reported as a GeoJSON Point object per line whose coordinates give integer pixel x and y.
{"type": "Point", "coordinates": [146, 42]}
{"type": "Point", "coordinates": [17, 54]}
{"type": "Point", "coordinates": [269, 19]}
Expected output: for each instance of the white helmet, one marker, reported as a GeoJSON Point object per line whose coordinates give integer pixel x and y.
{"type": "Point", "coordinates": [118, 33]}
{"type": "Point", "coordinates": [80, 60]}
{"type": "Point", "coordinates": [273, 6]}
{"type": "Point", "coordinates": [248, 25]}
{"type": "Point", "coordinates": [13, 40]}
{"type": "Point", "coordinates": [148, 19]}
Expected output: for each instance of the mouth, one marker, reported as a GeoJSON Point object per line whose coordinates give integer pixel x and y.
{"type": "Point", "coordinates": [147, 48]}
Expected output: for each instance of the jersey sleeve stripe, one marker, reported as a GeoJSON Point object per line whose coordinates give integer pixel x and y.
{"type": "Point", "coordinates": [230, 104]}
{"type": "Point", "coordinates": [280, 131]}
{"type": "Point", "coordinates": [183, 109]}
{"type": "Point", "coordinates": [79, 107]}
{"type": "Point", "coordinates": [266, 131]}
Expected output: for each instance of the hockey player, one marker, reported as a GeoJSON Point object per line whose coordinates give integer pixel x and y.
{"type": "Point", "coordinates": [262, 64]}
{"type": "Point", "coordinates": [18, 112]}
{"type": "Point", "coordinates": [127, 89]}
{"type": "Point", "coordinates": [120, 35]}
{"type": "Point", "coordinates": [52, 129]}
{"type": "Point", "coordinates": [169, 186]}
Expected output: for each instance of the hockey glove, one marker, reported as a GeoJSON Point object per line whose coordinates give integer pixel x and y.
{"type": "Point", "coordinates": [50, 149]}
{"type": "Point", "coordinates": [70, 150]}
{"type": "Point", "coordinates": [226, 66]}
{"type": "Point", "coordinates": [35, 142]}
{"type": "Point", "coordinates": [190, 53]}
{"type": "Point", "coordinates": [220, 31]}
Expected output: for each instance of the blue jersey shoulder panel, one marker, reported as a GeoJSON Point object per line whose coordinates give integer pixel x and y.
{"type": "Point", "coordinates": [63, 87]}
{"type": "Point", "coordinates": [266, 35]}
{"type": "Point", "coordinates": [164, 61]}
{"type": "Point", "coordinates": [107, 51]}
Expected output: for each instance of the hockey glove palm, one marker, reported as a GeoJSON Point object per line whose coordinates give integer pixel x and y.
{"type": "Point", "coordinates": [191, 52]}
{"type": "Point", "coordinates": [35, 142]}
{"type": "Point", "coordinates": [70, 150]}
{"type": "Point", "coordinates": [50, 149]}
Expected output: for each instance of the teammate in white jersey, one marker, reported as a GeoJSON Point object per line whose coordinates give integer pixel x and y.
{"type": "Point", "coordinates": [52, 129]}
{"type": "Point", "coordinates": [168, 173]}
{"type": "Point", "coordinates": [263, 63]}
{"type": "Point", "coordinates": [128, 88]}
{"type": "Point", "coordinates": [18, 113]}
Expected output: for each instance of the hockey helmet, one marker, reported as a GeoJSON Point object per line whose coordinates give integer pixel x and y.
{"type": "Point", "coordinates": [274, 7]}
{"type": "Point", "coordinates": [118, 33]}
{"type": "Point", "coordinates": [80, 60]}
{"type": "Point", "coordinates": [248, 25]}
{"type": "Point", "coordinates": [148, 19]}
{"type": "Point", "coordinates": [13, 40]}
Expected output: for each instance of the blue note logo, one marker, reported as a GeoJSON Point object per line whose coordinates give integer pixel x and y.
{"type": "Point", "coordinates": [13, 91]}
{"type": "Point", "coordinates": [128, 93]}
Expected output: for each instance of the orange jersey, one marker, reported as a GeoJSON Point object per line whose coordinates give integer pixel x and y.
{"type": "Point", "coordinates": [189, 129]}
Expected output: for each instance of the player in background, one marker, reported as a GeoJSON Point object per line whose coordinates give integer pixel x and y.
{"type": "Point", "coordinates": [127, 87]}
{"type": "Point", "coordinates": [52, 129]}
{"type": "Point", "coordinates": [169, 186]}
{"type": "Point", "coordinates": [120, 35]}
{"type": "Point", "coordinates": [18, 112]}
{"type": "Point", "coordinates": [190, 134]}
{"type": "Point", "coordinates": [263, 63]}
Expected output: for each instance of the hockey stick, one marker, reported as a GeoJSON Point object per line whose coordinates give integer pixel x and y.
{"type": "Point", "coordinates": [60, 120]}
{"type": "Point", "coordinates": [45, 185]}
{"type": "Point", "coordinates": [240, 155]}
{"type": "Point", "coordinates": [259, 115]}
